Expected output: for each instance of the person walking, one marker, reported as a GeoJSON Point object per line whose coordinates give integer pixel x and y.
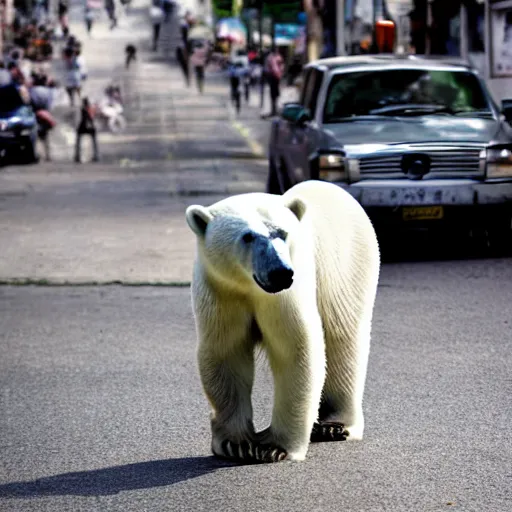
{"type": "Point", "coordinates": [237, 78]}
{"type": "Point", "coordinates": [86, 127]}
{"type": "Point", "coordinates": [168, 8]}
{"type": "Point", "coordinates": [184, 27]}
{"type": "Point", "coordinates": [89, 19]}
{"type": "Point", "coordinates": [274, 66]}
{"type": "Point", "coordinates": [156, 14]}
{"type": "Point", "coordinates": [62, 11]}
{"type": "Point", "coordinates": [198, 61]}
{"type": "Point", "coordinates": [131, 54]}
{"type": "Point", "coordinates": [74, 73]}
{"type": "Point", "coordinates": [42, 95]}
{"type": "Point", "coordinates": [182, 58]}
{"type": "Point", "coordinates": [110, 7]}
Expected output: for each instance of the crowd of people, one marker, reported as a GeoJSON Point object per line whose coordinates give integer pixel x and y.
{"type": "Point", "coordinates": [245, 68]}
{"type": "Point", "coordinates": [26, 65]}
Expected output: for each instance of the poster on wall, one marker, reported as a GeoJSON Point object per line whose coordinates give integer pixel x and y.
{"type": "Point", "coordinates": [501, 39]}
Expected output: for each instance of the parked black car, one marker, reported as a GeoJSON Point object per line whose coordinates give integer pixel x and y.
{"type": "Point", "coordinates": [416, 141]}
{"type": "Point", "coordinates": [18, 125]}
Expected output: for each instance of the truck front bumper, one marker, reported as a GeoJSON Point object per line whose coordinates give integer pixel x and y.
{"type": "Point", "coordinates": [427, 200]}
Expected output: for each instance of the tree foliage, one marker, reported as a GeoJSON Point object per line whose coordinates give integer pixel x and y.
{"type": "Point", "coordinates": [284, 11]}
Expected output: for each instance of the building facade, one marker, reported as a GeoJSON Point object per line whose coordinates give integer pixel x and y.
{"type": "Point", "coordinates": [478, 30]}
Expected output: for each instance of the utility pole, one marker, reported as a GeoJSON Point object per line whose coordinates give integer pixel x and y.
{"type": "Point", "coordinates": [428, 32]}
{"type": "Point", "coordinates": [314, 28]}
{"type": "Point", "coordinates": [340, 27]}
{"type": "Point", "coordinates": [464, 32]}
{"type": "Point", "coordinates": [260, 45]}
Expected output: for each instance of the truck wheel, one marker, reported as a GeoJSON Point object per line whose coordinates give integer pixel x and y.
{"type": "Point", "coordinates": [273, 185]}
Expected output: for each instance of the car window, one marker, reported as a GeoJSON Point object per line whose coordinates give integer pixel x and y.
{"type": "Point", "coordinates": [386, 91]}
{"type": "Point", "coordinates": [10, 99]}
{"type": "Point", "coordinates": [311, 90]}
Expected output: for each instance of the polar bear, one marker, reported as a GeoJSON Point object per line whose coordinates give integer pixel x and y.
{"type": "Point", "coordinates": [295, 275]}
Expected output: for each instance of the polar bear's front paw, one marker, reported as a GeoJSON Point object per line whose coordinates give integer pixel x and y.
{"type": "Point", "coordinates": [251, 452]}
{"type": "Point", "coordinates": [328, 431]}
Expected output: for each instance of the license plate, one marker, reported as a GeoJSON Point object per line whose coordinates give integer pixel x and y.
{"type": "Point", "coordinates": [422, 213]}
{"type": "Point", "coordinates": [426, 195]}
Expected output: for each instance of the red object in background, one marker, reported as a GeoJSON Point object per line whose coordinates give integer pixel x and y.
{"type": "Point", "coordinates": [385, 31]}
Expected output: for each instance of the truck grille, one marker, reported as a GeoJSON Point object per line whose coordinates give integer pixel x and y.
{"type": "Point", "coordinates": [443, 164]}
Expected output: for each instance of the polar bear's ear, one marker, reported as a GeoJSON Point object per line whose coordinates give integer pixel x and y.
{"type": "Point", "coordinates": [297, 206]}
{"type": "Point", "coordinates": [198, 218]}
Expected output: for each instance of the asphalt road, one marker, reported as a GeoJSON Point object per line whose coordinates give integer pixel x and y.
{"type": "Point", "coordinates": [102, 407]}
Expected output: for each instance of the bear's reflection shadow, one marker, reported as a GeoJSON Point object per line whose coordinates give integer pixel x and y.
{"type": "Point", "coordinates": [100, 482]}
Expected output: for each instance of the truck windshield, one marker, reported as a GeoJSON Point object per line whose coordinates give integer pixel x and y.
{"type": "Point", "coordinates": [403, 92]}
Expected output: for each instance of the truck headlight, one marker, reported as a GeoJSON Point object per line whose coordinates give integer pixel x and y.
{"type": "Point", "coordinates": [499, 163]}
{"type": "Point", "coordinates": [331, 167]}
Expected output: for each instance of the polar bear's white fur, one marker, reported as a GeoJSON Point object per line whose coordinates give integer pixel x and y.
{"type": "Point", "coordinates": [297, 275]}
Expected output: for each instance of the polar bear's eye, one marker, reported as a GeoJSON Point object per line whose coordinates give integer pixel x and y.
{"type": "Point", "coordinates": [248, 237]}
{"type": "Point", "coordinates": [281, 234]}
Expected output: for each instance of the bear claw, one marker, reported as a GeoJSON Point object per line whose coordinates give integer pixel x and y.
{"type": "Point", "coordinates": [328, 431]}
{"type": "Point", "coordinates": [249, 451]}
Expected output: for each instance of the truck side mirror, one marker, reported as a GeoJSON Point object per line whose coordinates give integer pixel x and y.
{"type": "Point", "coordinates": [295, 113]}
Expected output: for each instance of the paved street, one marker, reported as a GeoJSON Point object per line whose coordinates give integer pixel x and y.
{"type": "Point", "coordinates": [79, 223]}
{"type": "Point", "coordinates": [101, 407]}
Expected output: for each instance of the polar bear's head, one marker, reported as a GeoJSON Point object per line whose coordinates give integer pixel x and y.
{"type": "Point", "coordinates": [245, 239]}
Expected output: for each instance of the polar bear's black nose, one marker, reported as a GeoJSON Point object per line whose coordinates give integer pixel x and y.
{"type": "Point", "coordinates": [281, 278]}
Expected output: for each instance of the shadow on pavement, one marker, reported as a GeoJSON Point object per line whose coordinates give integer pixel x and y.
{"type": "Point", "coordinates": [101, 482]}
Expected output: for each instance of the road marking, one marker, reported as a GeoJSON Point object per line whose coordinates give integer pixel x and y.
{"type": "Point", "coordinates": [255, 146]}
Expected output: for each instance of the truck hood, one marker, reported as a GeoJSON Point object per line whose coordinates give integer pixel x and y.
{"type": "Point", "coordinates": [425, 129]}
